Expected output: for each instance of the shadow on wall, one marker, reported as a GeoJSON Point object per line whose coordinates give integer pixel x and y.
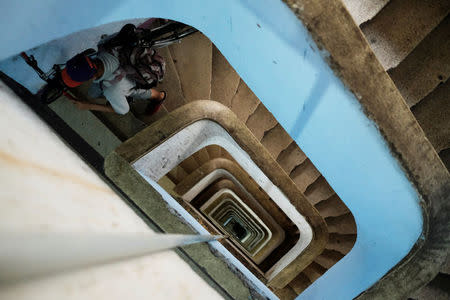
{"type": "Point", "coordinates": [311, 102]}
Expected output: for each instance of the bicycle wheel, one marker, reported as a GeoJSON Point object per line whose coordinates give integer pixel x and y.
{"type": "Point", "coordinates": [176, 37]}
{"type": "Point", "coordinates": [165, 34]}
{"type": "Point", "coordinates": [50, 93]}
{"type": "Point", "coordinates": [160, 31]}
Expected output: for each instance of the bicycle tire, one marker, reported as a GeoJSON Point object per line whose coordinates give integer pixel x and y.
{"type": "Point", "coordinates": [160, 31]}
{"type": "Point", "coordinates": [176, 37]}
{"type": "Point", "coordinates": [169, 30]}
{"type": "Point", "coordinates": [50, 93]}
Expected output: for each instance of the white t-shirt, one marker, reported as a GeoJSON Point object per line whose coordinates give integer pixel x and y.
{"type": "Point", "coordinates": [116, 86]}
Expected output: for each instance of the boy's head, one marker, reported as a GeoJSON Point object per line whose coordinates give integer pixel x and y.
{"type": "Point", "coordinates": [79, 69]}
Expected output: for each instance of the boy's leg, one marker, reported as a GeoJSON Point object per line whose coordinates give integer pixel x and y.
{"type": "Point", "coordinates": [157, 95]}
{"type": "Point", "coordinates": [153, 97]}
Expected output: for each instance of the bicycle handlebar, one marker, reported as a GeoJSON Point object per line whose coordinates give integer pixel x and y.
{"type": "Point", "coordinates": [32, 62]}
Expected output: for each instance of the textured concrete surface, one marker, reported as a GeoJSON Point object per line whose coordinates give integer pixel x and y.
{"type": "Point", "coordinates": [446, 267]}
{"type": "Point", "coordinates": [328, 258]}
{"type": "Point", "coordinates": [445, 156]}
{"type": "Point", "coordinates": [224, 79]}
{"type": "Point", "coordinates": [202, 156]}
{"type": "Point", "coordinates": [433, 115]}
{"type": "Point", "coordinates": [276, 140]}
{"type": "Point", "coordinates": [318, 191]}
{"type": "Point", "coordinates": [193, 59]}
{"type": "Point", "coordinates": [260, 121]}
{"type": "Point", "coordinates": [364, 10]}
{"type": "Point", "coordinates": [123, 126]}
{"type": "Point", "coordinates": [341, 242]}
{"type": "Point", "coordinates": [437, 289]}
{"type": "Point", "coordinates": [426, 66]}
{"type": "Point", "coordinates": [87, 125]}
{"type": "Point", "coordinates": [392, 35]}
{"type": "Point", "coordinates": [244, 102]}
{"type": "Point", "coordinates": [291, 157]}
{"type": "Point", "coordinates": [342, 224]}
{"type": "Point", "coordinates": [300, 283]}
{"type": "Point", "coordinates": [331, 207]}
{"type": "Point", "coordinates": [171, 83]}
{"type": "Point", "coordinates": [314, 271]}
{"type": "Point", "coordinates": [304, 174]}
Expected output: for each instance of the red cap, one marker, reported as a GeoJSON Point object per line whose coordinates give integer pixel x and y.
{"type": "Point", "coordinates": [78, 69]}
{"type": "Point", "coordinates": [69, 81]}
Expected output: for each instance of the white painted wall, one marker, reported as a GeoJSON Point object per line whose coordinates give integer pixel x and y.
{"type": "Point", "coordinates": [45, 187]}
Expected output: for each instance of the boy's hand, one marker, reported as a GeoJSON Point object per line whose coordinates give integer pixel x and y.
{"type": "Point", "coordinates": [81, 104]}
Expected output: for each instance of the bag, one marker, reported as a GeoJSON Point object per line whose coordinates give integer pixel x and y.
{"type": "Point", "coordinates": [142, 65]}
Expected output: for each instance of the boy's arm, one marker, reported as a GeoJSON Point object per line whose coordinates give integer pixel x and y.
{"type": "Point", "coordinates": [92, 106]}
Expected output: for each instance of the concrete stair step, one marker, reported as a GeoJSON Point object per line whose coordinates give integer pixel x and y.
{"type": "Point", "coordinates": [341, 242]}
{"type": "Point", "coordinates": [300, 283]}
{"type": "Point", "coordinates": [304, 174]}
{"type": "Point", "coordinates": [276, 140]}
{"type": "Point", "coordinates": [426, 66]}
{"type": "Point", "coordinates": [364, 10]}
{"type": "Point", "coordinates": [224, 79]}
{"type": "Point", "coordinates": [433, 115]}
{"type": "Point", "coordinates": [436, 289]}
{"type": "Point", "coordinates": [214, 151]}
{"type": "Point", "coordinates": [226, 155]}
{"type": "Point", "coordinates": [244, 102]}
{"type": "Point", "coordinates": [291, 157]}
{"type": "Point", "coordinates": [318, 191]}
{"type": "Point", "coordinates": [87, 125]}
{"type": "Point", "coordinates": [314, 271]}
{"type": "Point", "coordinates": [177, 174]}
{"type": "Point", "coordinates": [286, 293]}
{"type": "Point", "coordinates": [202, 156]}
{"type": "Point", "coordinates": [400, 26]}
{"type": "Point", "coordinates": [123, 126]}
{"type": "Point", "coordinates": [445, 157]}
{"type": "Point", "coordinates": [261, 121]}
{"type": "Point", "coordinates": [171, 83]}
{"type": "Point", "coordinates": [332, 207]}
{"type": "Point", "coordinates": [153, 118]}
{"type": "Point", "coordinates": [193, 58]}
{"type": "Point", "coordinates": [328, 258]}
{"type": "Point", "coordinates": [190, 164]}
{"type": "Point", "coordinates": [343, 224]}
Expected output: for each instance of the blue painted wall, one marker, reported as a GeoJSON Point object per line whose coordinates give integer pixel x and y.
{"type": "Point", "coordinates": [274, 54]}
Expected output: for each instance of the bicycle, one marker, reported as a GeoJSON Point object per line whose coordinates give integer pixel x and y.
{"type": "Point", "coordinates": [162, 36]}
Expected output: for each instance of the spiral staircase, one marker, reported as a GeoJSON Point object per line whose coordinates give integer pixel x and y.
{"type": "Point", "coordinates": [413, 53]}
{"type": "Point", "coordinates": [196, 70]}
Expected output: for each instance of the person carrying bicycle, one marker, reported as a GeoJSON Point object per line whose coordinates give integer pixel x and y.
{"type": "Point", "coordinates": [121, 74]}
